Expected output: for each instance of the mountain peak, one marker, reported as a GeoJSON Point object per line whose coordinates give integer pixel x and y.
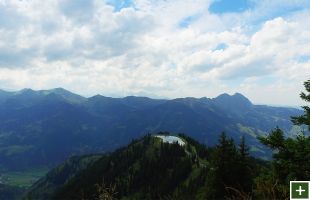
{"type": "Point", "coordinates": [56, 91]}
{"type": "Point", "coordinates": [25, 91]}
{"type": "Point", "coordinates": [235, 97]}
{"type": "Point", "coordinates": [100, 97]}
{"type": "Point", "coordinates": [236, 101]}
{"type": "Point", "coordinates": [65, 94]}
{"type": "Point", "coordinates": [59, 89]}
{"type": "Point", "coordinates": [241, 97]}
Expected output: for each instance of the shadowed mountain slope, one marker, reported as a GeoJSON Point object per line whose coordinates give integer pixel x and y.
{"type": "Point", "coordinates": [43, 128]}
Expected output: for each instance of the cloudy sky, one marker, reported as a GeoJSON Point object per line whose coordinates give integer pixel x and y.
{"type": "Point", "coordinates": [158, 48]}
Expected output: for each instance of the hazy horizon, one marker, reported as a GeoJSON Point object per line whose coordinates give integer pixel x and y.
{"type": "Point", "coordinates": [158, 97]}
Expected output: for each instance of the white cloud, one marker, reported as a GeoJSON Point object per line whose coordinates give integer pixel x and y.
{"type": "Point", "coordinates": [88, 48]}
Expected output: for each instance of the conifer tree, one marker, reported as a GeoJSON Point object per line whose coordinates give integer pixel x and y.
{"type": "Point", "coordinates": [244, 170]}
{"type": "Point", "coordinates": [223, 168]}
{"type": "Point", "coordinates": [291, 156]}
{"type": "Point", "coordinates": [305, 118]}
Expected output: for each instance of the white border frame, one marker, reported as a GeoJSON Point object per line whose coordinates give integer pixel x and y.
{"type": "Point", "coordinates": [299, 182]}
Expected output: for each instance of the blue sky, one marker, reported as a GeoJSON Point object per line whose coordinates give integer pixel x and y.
{"type": "Point", "coordinates": [120, 4]}
{"type": "Point", "coordinates": [158, 48]}
{"type": "Point", "coordinates": [229, 6]}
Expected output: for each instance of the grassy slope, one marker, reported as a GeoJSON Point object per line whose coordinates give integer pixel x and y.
{"type": "Point", "coordinates": [23, 178]}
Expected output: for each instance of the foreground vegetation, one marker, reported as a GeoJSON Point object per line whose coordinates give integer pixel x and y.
{"type": "Point", "coordinates": [151, 169]}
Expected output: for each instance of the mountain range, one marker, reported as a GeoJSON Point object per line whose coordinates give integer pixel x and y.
{"type": "Point", "coordinates": [45, 127]}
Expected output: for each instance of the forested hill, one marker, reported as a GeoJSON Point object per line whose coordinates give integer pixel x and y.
{"type": "Point", "coordinates": [151, 168]}
{"type": "Point", "coordinates": [43, 128]}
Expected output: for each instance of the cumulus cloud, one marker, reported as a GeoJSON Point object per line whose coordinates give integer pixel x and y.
{"type": "Point", "coordinates": [166, 48]}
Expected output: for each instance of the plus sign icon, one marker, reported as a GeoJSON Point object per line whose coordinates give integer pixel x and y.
{"type": "Point", "coordinates": [299, 190]}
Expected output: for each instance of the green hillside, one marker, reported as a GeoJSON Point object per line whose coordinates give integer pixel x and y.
{"type": "Point", "coordinates": [146, 169]}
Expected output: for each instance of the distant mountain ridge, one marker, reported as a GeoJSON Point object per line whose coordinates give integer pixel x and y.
{"type": "Point", "coordinates": [4, 95]}
{"type": "Point", "coordinates": [43, 128]}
